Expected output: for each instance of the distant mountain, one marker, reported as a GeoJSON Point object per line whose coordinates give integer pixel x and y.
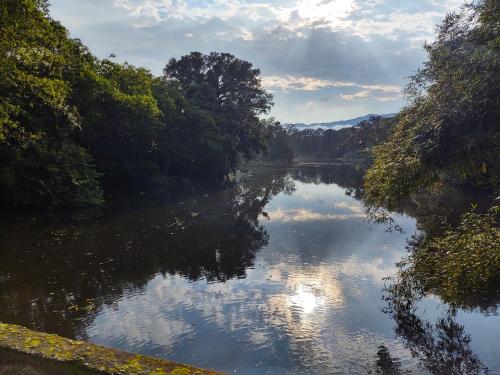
{"type": "Point", "coordinates": [336, 125]}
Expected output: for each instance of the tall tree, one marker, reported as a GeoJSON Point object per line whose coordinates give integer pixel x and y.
{"type": "Point", "coordinates": [230, 90]}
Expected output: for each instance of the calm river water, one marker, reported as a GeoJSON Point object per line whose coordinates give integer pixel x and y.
{"type": "Point", "coordinates": [281, 274]}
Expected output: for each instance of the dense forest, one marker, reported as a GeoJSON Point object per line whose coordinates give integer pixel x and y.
{"type": "Point", "coordinates": [74, 127]}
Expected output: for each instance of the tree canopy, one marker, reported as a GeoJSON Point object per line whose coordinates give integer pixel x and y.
{"type": "Point", "coordinates": [73, 126]}
{"type": "Point", "coordinates": [229, 91]}
{"type": "Point", "coordinates": [449, 131]}
{"type": "Point", "coordinates": [38, 160]}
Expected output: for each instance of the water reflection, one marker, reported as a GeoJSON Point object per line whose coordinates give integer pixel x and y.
{"type": "Point", "coordinates": [55, 275]}
{"type": "Point", "coordinates": [442, 347]}
{"type": "Point", "coordinates": [279, 274]}
{"type": "Point", "coordinates": [386, 364]}
{"type": "Point", "coordinates": [442, 340]}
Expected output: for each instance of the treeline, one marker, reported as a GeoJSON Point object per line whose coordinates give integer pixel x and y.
{"type": "Point", "coordinates": [449, 134]}
{"type": "Point", "coordinates": [352, 144]}
{"type": "Point", "coordinates": [73, 126]}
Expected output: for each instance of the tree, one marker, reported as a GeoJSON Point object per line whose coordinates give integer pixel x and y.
{"type": "Point", "coordinates": [190, 144]}
{"type": "Point", "coordinates": [229, 89]}
{"type": "Point", "coordinates": [450, 128]}
{"type": "Point", "coordinates": [120, 123]}
{"type": "Point", "coordinates": [278, 142]}
{"type": "Point", "coordinates": [71, 124]}
{"type": "Point", "coordinates": [38, 162]}
{"type": "Point", "coordinates": [449, 134]}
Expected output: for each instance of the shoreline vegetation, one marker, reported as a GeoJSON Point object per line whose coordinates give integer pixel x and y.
{"type": "Point", "coordinates": [86, 356]}
{"type": "Point", "coordinates": [74, 129]}
{"type": "Point", "coordinates": [449, 133]}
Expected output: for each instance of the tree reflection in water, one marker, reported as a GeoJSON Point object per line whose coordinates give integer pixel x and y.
{"type": "Point", "coordinates": [385, 364]}
{"type": "Point", "coordinates": [442, 347]}
{"type": "Point", "coordinates": [57, 274]}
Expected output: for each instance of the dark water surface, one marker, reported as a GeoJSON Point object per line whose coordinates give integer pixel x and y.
{"type": "Point", "coordinates": [281, 275]}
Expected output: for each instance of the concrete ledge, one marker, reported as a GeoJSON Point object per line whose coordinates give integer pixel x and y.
{"type": "Point", "coordinates": [89, 356]}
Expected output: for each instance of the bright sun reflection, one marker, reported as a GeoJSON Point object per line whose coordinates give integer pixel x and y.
{"type": "Point", "coordinates": [305, 299]}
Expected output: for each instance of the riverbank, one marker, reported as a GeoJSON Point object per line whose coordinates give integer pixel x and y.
{"type": "Point", "coordinates": [85, 356]}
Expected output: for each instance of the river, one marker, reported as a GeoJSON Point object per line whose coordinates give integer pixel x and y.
{"type": "Point", "coordinates": [279, 274]}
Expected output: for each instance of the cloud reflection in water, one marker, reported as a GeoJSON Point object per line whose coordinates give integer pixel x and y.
{"type": "Point", "coordinates": [310, 303]}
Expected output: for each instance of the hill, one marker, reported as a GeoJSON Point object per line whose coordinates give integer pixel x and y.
{"type": "Point", "coordinates": [336, 125]}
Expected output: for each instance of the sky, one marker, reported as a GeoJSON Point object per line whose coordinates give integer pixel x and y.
{"type": "Point", "coordinates": [323, 60]}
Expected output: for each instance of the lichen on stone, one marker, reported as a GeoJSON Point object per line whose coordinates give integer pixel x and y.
{"type": "Point", "coordinates": [89, 356]}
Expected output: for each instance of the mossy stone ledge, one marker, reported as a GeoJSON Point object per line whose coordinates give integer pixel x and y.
{"type": "Point", "coordinates": [89, 356]}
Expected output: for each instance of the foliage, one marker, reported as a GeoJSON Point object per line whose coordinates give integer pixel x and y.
{"type": "Point", "coordinates": [50, 176]}
{"type": "Point", "coordinates": [192, 142]}
{"type": "Point", "coordinates": [386, 364]}
{"type": "Point", "coordinates": [31, 81]}
{"type": "Point", "coordinates": [120, 122]}
{"type": "Point", "coordinates": [442, 347]}
{"type": "Point", "coordinates": [462, 265]}
{"type": "Point", "coordinates": [228, 91]}
{"type": "Point", "coordinates": [279, 147]}
{"type": "Point", "coordinates": [38, 162]}
{"type": "Point", "coordinates": [449, 134]}
{"type": "Point", "coordinates": [351, 143]}
{"type": "Point", "coordinates": [72, 125]}
{"type": "Point", "coordinates": [450, 129]}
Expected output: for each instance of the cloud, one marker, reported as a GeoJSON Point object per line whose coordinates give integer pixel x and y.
{"type": "Point", "coordinates": [240, 33]}
{"type": "Point", "coordinates": [245, 34]}
{"type": "Point", "coordinates": [289, 82]}
{"type": "Point", "coordinates": [310, 104]}
{"type": "Point", "coordinates": [357, 17]}
{"type": "Point", "coordinates": [152, 12]}
{"type": "Point", "coordinates": [293, 83]}
{"type": "Point", "coordinates": [354, 207]}
{"type": "Point", "coordinates": [306, 49]}
{"type": "Point", "coordinates": [399, 24]}
{"type": "Point", "coordinates": [378, 95]}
